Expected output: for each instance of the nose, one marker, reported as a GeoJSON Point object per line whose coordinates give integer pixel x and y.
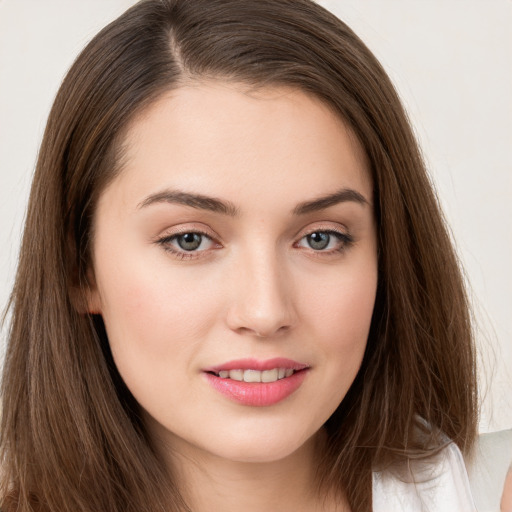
{"type": "Point", "coordinates": [262, 302]}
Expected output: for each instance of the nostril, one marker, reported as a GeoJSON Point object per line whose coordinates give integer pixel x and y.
{"type": "Point", "coordinates": [263, 332]}
{"type": "Point", "coordinates": [261, 311]}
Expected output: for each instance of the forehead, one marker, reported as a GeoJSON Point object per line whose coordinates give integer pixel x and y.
{"type": "Point", "coordinates": [218, 138]}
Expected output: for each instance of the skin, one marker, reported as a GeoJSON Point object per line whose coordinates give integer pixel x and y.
{"type": "Point", "coordinates": [506, 498]}
{"type": "Point", "coordinates": [254, 287]}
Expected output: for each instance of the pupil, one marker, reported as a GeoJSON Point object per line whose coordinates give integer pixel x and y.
{"type": "Point", "coordinates": [189, 241]}
{"type": "Point", "coordinates": [318, 241]}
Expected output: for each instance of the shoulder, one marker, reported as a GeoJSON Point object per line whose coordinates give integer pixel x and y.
{"type": "Point", "coordinates": [488, 468]}
{"type": "Point", "coordinates": [438, 484]}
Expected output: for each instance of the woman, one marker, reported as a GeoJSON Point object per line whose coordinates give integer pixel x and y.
{"type": "Point", "coordinates": [235, 286]}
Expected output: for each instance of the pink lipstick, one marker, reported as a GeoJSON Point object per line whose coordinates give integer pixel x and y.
{"type": "Point", "coordinates": [257, 383]}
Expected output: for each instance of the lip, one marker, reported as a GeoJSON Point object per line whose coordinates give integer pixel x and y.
{"type": "Point", "coordinates": [256, 364]}
{"type": "Point", "coordinates": [257, 394]}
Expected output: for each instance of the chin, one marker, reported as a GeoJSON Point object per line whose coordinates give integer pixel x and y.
{"type": "Point", "coordinates": [260, 447]}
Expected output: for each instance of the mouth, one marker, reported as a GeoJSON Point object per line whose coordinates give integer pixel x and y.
{"type": "Point", "coordinates": [257, 383]}
{"type": "Point", "coordinates": [251, 375]}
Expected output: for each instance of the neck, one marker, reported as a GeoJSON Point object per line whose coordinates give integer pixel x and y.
{"type": "Point", "coordinates": [208, 482]}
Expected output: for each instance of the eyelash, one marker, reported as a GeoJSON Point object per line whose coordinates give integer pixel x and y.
{"type": "Point", "coordinates": [183, 254]}
{"type": "Point", "coordinates": [345, 241]}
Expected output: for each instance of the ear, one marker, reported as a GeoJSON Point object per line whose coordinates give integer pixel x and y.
{"type": "Point", "coordinates": [93, 301]}
{"type": "Point", "coordinates": [92, 295]}
{"type": "Point", "coordinates": [86, 297]}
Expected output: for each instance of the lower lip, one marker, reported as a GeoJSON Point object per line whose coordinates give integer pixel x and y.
{"type": "Point", "coordinates": [257, 394]}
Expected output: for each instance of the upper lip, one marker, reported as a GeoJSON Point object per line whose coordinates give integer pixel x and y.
{"type": "Point", "coordinates": [256, 364]}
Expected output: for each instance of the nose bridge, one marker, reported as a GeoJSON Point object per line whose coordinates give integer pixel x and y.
{"type": "Point", "coordinates": [262, 303]}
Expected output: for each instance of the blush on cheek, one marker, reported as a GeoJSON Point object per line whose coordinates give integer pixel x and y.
{"type": "Point", "coordinates": [346, 325]}
{"type": "Point", "coordinates": [151, 319]}
{"type": "Point", "coordinates": [347, 311]}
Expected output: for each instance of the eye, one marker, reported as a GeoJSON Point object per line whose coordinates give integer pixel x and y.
{"type": "Point", "coordinates": [318, 241]}
{"type": "Point", "coordinates": [190, 241]}
{"type": "Point", "coordinates": [325, 241]}
{"type": "Point", "coordinates": [187, 244]}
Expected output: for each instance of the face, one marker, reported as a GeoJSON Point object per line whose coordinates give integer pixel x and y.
{"type": "Point", "coordinates": [235, 268]}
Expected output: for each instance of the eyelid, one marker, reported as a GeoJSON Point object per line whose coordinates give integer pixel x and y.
{"type": "Point", "coordinates": [181, 229]}
{"type": "Point", "coordinates": [345, 239]}
{"type": "Point", "coordinates": [332, 227]}
{"type": "Point", "coordinates": [164, 240]}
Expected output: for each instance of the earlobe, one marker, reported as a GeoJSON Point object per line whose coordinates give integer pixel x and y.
{"type": "Point", "coordinates": [85, 297]}
{"type": "Point", "coordinates": [91, 294]}
{"type": "Point", "coordinates": [93, 301]}
{"type": "Point", "coordinates": [86, 301]}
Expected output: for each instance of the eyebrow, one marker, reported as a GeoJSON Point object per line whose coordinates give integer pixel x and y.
{"type": "Point", "coordinates": [341, 196]}
{"type": "Point", "coordinates": [216, 205]}
{"type": "Point", "coordinates": [193, 200]}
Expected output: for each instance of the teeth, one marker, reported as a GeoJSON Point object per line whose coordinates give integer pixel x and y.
{"type": "Point", "coordinates": [269, 375]}
{"type": "Point", "coordinates": [236, 375]}
{"type": "Point", "coordinates": [256, 375]}
{"type": "Point", "coordinates": [252, 376]}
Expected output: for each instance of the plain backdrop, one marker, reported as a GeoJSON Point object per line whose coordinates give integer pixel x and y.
{"type": "Point", "coordinates": [451, 61]}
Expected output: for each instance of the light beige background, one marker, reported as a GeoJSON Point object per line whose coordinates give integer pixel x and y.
{"type": "Point", "coordinates": [451, 61]}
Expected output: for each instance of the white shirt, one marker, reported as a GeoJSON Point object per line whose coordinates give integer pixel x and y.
{"type": "Point", "coordinates": [440, 485]}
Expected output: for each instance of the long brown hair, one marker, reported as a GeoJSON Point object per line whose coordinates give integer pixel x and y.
{"type": "Point", "coordinates": [71, 436]}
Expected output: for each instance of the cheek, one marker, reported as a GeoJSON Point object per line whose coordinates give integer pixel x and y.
{"type": "Point", "coordinates": [153, 315]}
{"type": "Point", "coordinates": [340, 314]}
{"type": "Point", "coordinates": [342, 308]}
{"type": "Point", "coordinates": [155, 325]}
